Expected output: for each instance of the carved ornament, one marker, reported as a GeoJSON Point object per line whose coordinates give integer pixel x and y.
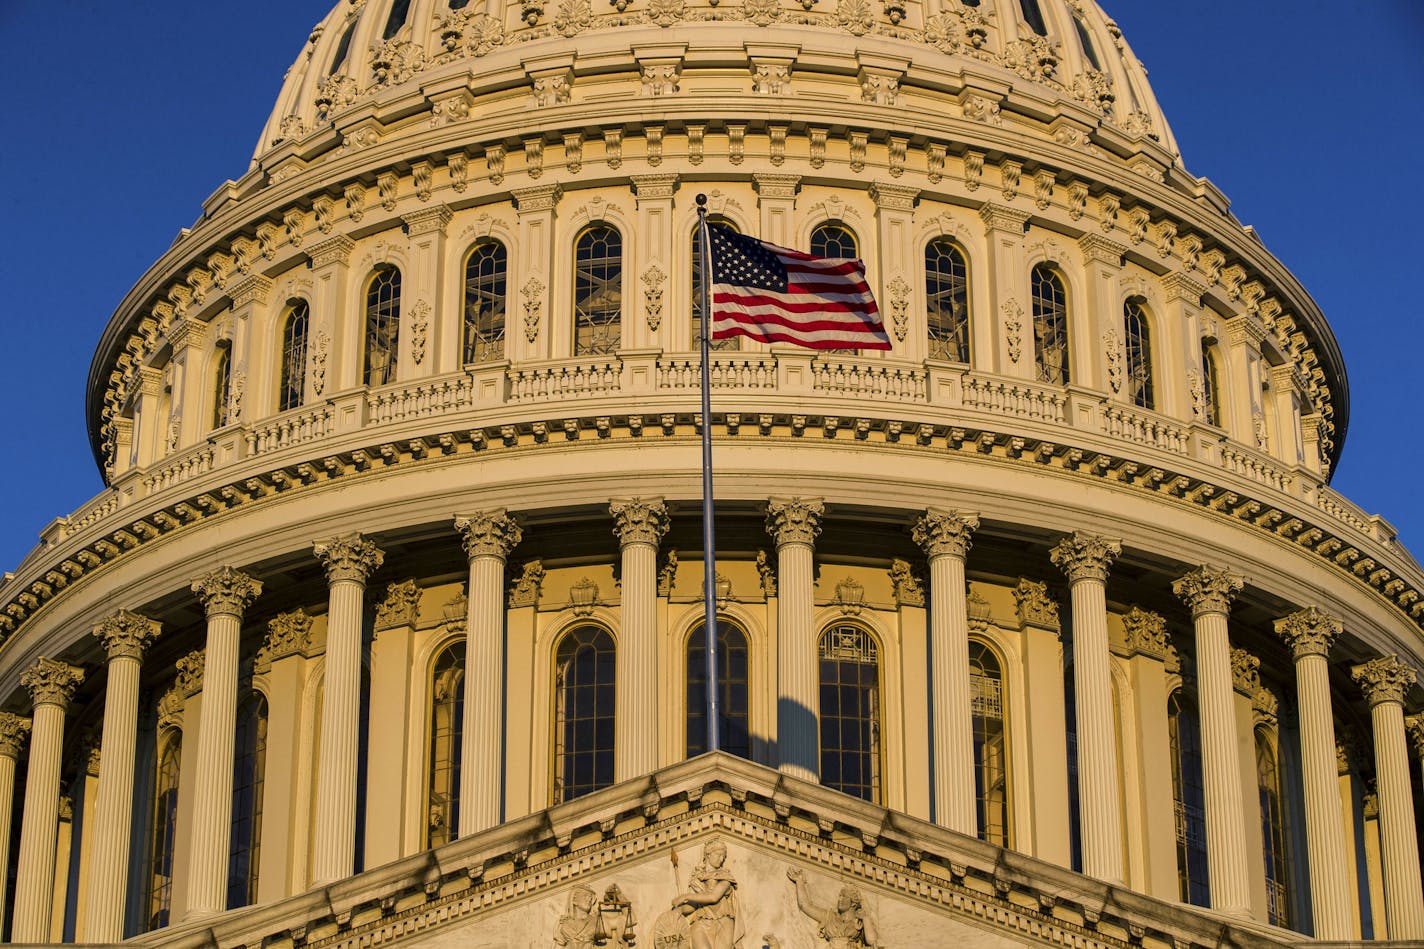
{"type": "Point", "coordinates": [491, 533]}
{"type": "Point", "coordinates": [583, 597]}
{"type": "Point", "coordinates": [226, 591]}
{"type": "Point", "coordinates": [1085, 556]}
{"type": "Point", "coordinates": [349, 557]}
{"type": "Point", "coordinates": [1309, 632]}
{"type": "Point", "coordinates": [667, 575]}
{"type": "Point", "coordinates": [944, 533]}
{"type": "Point", "coordinates": [401, 607]}
{"type": "Point", "coordinates": [190, 672]}
{"type": "Point", "coordinates": [527, 586]}
{"type": "Point", "coordinates": [287, 635]}
{"type": "Point", "coordinates": [639, 520]}
{"type": "Point", "coordinates": [794, 520]}
{"type": "Point", "coordinates": [51, 682]}
{"type": "Point", "coordinates": [1384, 679]}
{"type": "Point", "coordinates": [1034, 606]}
{"type": "Point", "coordinates": [767, 572]}
{"type": "Point", "coordinates": [908, 591]}
{"type": "Point", "coordinates": [1208, 590]}
{"type": "Point", "coordinates": [14, 734]}
{"type": "Point", "coordinates": [1146, 634]}
{"type": "Point", "coordinates": [126, 635]}
{"type": "Point", "coordinates": [1245, 672]}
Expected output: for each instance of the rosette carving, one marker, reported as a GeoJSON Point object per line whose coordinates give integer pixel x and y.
{"type": "Point", "coordinates": [639, 520]}
{"type": "Point", "coordinates": [226, 591]}
{"type": "Point", "coordinates": [51, 682]}
{"type": "Point", "coordinates": [1309, 632]}
{"type": "Point", "coordinates": [944, 533]}
{"type": "Point", "coordinates": [1208, 590]}
{"type": "Point", "coordinates": [1085, 556]}
{"type": "Point", "coordinates": [488, 533]}
{"type": "Point", "coordinates": [1385, 679]}
{"type": "Point", "coordinates": [14, 734]}
{"type": "Point", "coordinates": [794, 520]}
{"type": "Point", "coordinates": [349, 557]}
{"type": "Point", "coordinates": [573, 18]}
{"type": "Point", "coordinates": [126, 635]}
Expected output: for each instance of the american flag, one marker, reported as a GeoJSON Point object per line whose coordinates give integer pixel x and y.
{"type": "Point", "coordinates": [775, 295]}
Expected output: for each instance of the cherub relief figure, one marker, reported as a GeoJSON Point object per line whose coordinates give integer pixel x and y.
{"type": "Point", "coordinates": [847, 926]}
{"type": "Point", "coordinates": [578, 927]}
{"type": "Point", "coordinates": [710, 902]}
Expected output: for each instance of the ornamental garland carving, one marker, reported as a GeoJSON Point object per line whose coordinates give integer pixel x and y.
{"type": "Point", "coordinates": [899, 306]}
{"type": "Point", "coordinates": [491, 533]}
{"type": "Point", "coordinates": [320, 345]}
{"type": "Point", "coordinates": [653, 280]}
{"type": "Point", "coordinates": [1208, 590]}
{"type": "Point", "coordinates": [527, 586]}
{"type": "Point", "coordinates": [226, 591]}
{"type": "Point", "coordinates": [794, 520]}
{"type": "Point", "coordinates": [348, 557]}
{"type": "Point", "coordinates": [1309, 632]}
{"type": "Point", "coordinates": [14, 734]}
{"type": "Point", "coordinates": [126, 635]}
{"type": "Point", "coordinates": [1085, 556]}
{"type": "Point", "coordinates": [1385, 679]}
{"type": "Point", "coordinates": [533, 293]}
{"type": "Point", "coordinates": [1112, 351]}
{"type": "Point", "coordinates": [639, 520]}
{"type": "Point", "coordinates": [420, 329]}
{"type": "Point", "coordinates": [1034, 606]}
{"type": "Point", "coordinates": [51, 682]}
{"type": "Point", "coordinates": [1013, 328]}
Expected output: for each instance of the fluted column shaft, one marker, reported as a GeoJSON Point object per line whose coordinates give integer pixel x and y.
{"type": "Point", "coordinates": [125, 637]}
{"type": "Point", "coordinates": [1209, 593]}
{"type": "Point", "coordinates": [349, 561]}
{"type": "Point", "coordinates": [51, 684]}
{"type": "Point", "coordinates": [14, 732]}
{"type": "Point", "coordinates": [1384, 681]}
{"type": "Point", "coordinates": [1310, 634]}
{"type": "Point", "coordinates": [795, 524]}
{"type": "Point", "coordinates": [225, 594]}
{"type": "Point", "coordinates": [1085, 560]}
{"type": "Point", "coordinates": [640, 524]}
{"type": "Point", "coordinates": [944, 535]}
{"type": "Point", "coordinates": [488, 537]}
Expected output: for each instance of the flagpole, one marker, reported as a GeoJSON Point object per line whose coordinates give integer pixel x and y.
{"type": "Point", "coordinates": [709, 543]}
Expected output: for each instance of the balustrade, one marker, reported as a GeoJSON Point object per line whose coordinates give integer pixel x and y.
{"type": "Point", "coordinates": [1013, 397]}
{"type": "Point", "coordinates": [565, 379]}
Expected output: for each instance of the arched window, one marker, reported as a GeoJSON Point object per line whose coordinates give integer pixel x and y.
{"type": "Point", "coordinates": [447, 718]}
{"type": "Point", "coordinates": [1139, 354]}
{"type": "Point", "coordinates": [1273, 835]}
{"type": "Point", "coordinates": [733, 687]}
{"type": "Point", "coordinates": [1050, 326]}
{"type": "Point", "coordinates": [850, 711]}
{"type": "Point", "coordinates": [1211, 386]}
{"type": "Point", "coordinates": [1184, 739]}
{"type": "Point", "coordinates": [222, 386]}
{"type": "Point", "coordinates": [947, 300]}
{"type": "Point", "coordinates": [598, 291]}
{"type": "Point", "coordinates": [291, 385]}
{"type": "Point", "coordinates": [164, 824]}
{"type": "Point", "coordinates": [731, 342]}
{"type": "Point", "coordinates": [486, 273]}
{"type": "Point", "coordinates": [991, 752]}
{"type": "Point", "coordinates": [1086, 41]}
{"type": "Point", "coordinates": [343, 48]}
{"type": "Point", "coordinates": [1033, 16]}
{"type": "Point", "coordinates": [382, 326]}
{"type": "Point", "coordinates": [834, 239]}
{"type": "Point", "coordinates": [248, 773]}
{"type": "Point", "coordinates": [400, 9]}
{"type": "Point", "coordinates": [584, 694]}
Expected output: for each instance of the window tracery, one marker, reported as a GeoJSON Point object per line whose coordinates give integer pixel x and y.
{"type": "Point", "coordinates": [834, 239]}
{"type": "Point", "coordinates": [947, 300]}
{"type": "Point", "coordinates": [598, 291]}
{"type": "Point", "coordinates": [383, 300]}
{"type": "Point", "coordinates": [850, 711]}
{"type": "Point", "coordinates": [1270, 785]}
{"type": "Point", "coordinates": [486, 278]}
{"type": "Point", "coordinates": [1211, 386]}
{"type": "Point", "coordinates": [164, 817]}
{"type": "Point", "coordinates": [1050, 325]}
{"type": "Point", "coordinates": [291, 386]}
{"type": "Point", "coordinates": [1139, 354]}
{"type": "Point", "coordinates": [584, 696]}
{"type": "Point", "coordinates": [222, 387]}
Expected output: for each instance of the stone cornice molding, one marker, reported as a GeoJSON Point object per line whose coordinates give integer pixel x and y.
{"type": "Point", "coordinates": [14, 734]}
{"type": "Point", "coordinates": [428, 220]}
{"type": "Point", "coordinates": [226, 591]}
{"type": "Point", "coordinates": [187, 334]}
{"type": "Point", "coordinates": [639, 520]}
{"type": "Point", "coordinates": [1245, 328]}
{"type": "Point", "coordinates": [349, 557]}
{"type": "Point", "coordinates": [126, 635]}
{"type": "Point", "coordinates": [535, 199]}
{"type": "Point", "coordinates": [254, 288]}
{"type": "Point", "coordinates": [1146, 634]}
{"type": "Point", "coordinates": [1103, 250]}
{"type": "Point", "coordinates": [51, 682]}
{"type": "Point", "coordinates": [893, 197]}
{"type": "Point", "coordinates": [332, 250]}
{"type": "Point", "coordinates": [1309, 632]}
{"type": "Point", "coordinates": [492, 533]}
{"type": "Point", "coordinates": [794, 520]}
{"type": "Point", "coordinates": [401, 606]}
{"type": "Point", "coordinates": [1181, 286]}
{"type": "Point", "coordinates": [776, 186]}
{"type": "Point", "coordinates": [151, 380]}
{"type": "Point", "coordinates": [1384, 679]}
{"type": "Point", "coordinates": [1002, 218]}
{"type": "Point", "coordinates": [654, 187]}
{"type": "Point", "coordinates": [1208, 590]}
{"type": "Point", "coordinates": [945, 533]}
{"type": "Point", "coordinates": [1085, 556]}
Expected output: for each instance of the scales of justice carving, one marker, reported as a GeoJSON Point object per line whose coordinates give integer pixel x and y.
{"type": "Point", "coordinates": [707, 914]}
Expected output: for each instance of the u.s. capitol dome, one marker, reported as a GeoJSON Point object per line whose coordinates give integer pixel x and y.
{"type": "Point", "coordinates": [1042, 628]}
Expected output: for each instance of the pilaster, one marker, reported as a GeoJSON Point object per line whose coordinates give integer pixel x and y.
{"type": "Point", "coordinates": [652, 319]}
{"type": "Point", "coordinates": [528, 334]}
{"type": "Point", "coordinates": [430, 325]}
{"type": "Point", "coordinates": [1009, 301]}
{"type": "Point", "coordinates": [898, 268]}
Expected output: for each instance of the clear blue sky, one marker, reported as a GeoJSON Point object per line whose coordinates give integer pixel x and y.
{"type": "Point", "coordinates": [123, 117]}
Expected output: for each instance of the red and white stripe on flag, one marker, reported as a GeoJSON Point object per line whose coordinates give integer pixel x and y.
{"type": "Point", "coordinates": [776, 295]}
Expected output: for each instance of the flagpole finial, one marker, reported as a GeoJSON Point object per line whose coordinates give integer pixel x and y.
{"type": "Point", "coordinates": [702, 200]}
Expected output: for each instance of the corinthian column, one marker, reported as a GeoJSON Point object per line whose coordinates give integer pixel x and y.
{"type": "Point", "coordinates": [1085, 559]}
{"type": "Point", "coordinates": [944, 535]}
{"type": "Point", "coordinates": [1310, 633]}
{"type": "Point", "coordinates": [1209, 593]}
{"type": "Point", "coordinates": [14, 732]}
{"type": "Point", "coordinates": [488, 537]}
{"type": "Point", "coordinates": [126, 636]}
{"type": "Point", "coordinates": [640, 524]}
{"type": "Point", "coordinates": [795, 523]}
{"type": "Point", "coordinates": [348, 560]}
{"type": "Point", "coordinates": [51, 683]}
{"type": "Point", "coordinates": [1384, 682]}
{"type": "Point", "coordinates": [225, 594]}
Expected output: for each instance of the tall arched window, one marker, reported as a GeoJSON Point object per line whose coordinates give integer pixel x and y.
{"type": "Point", "coordinates": [382, 326]}
{"type": "Point", "coordinates": [850, 711]}
{"type": "Point", "coordinates": [343, 48]}
{"type": "Point", "coordinates": [991, 752]}
{"type": "Point", "coordinates": [947, 300]}
{"type": "Point", "coordinates": [1184, 738]}
{"type": "Point", "coordinates": [584, 694]}
{"type": "Point", "coordinates": [292, 380]}
{"type": "Point", "coordinates": [400, 9]}
{"type": "Point", "coordinates": [598, 291]}
{"type": "Point", "coordinates": [834, 239]}
{"type": "Point", "coordinates": [1050, 325]}
{"type": "Point", "coordinates": [447, 717]}
{"type": "Point", "coordinates": [248, 773]}
{"type": "Point", "coordinates": [733, 687]}
{"type": "Point", "coordinates": [164, 824]}
{"type": "Point", "coordinates": [1139, 354]}
{"type": "Point", "coordinates": [222, 386]}
{"type": "Point", "coordinates": [731, 342]}
{"type": "Point", "coordinates": [1211, 386]}
{"type": "Point", "coordinates": [486, 273]}
{"type": "Point", "coordinates": [1086, 41]}
{"type": "Point", "coordinates": [1033, 16]}
{"type": "Point", "coordinates": [1273, 835]}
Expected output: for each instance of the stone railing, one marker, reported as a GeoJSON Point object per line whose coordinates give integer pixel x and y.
{"type": "Point", "coordinates": [726, 372]}
{"type": "Point", "coordinates": [185, 466]}
{"type": "Point", "coordinates": [1144, 428]}
{"type": "Point", "coordinates": [869, 380]}
{"type": "Point", "coordinates": [420, 400]}
{"type": "Point", "coordinates": [587, 377]}
{"type": "Point", "coordinates": [1014, 397]}
{"type": "Point", "coordinates": [92, 513]}
{"type": "Point", "coordinates": [1335, 505]}
{"type": "Point", "coordinates": [296, 427]}
{"type": "Point", "coordinates": [1257, 468]}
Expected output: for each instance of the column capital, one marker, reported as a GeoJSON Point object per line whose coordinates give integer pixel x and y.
{"type": "Point", "coordinates": [126, 635]}
{"type": "Point", "coordinates": [51, 682]}
{"type": "Point", "coordinates": [226, 590]}
{"type": "Point", "coordinates": [348, 557]}
{"type": "Point", "coordinates": [639, 520]}
{"type": "Point", "coordinates": [1308, 632]}
{"type": "Point", "coordinates": [1146, 634]}
{"type": "Point", "coordinates": [1085, 556]}
{"type": "Point", "coordinates": [1414, 728]}
{"type": "Point", "coordinates": [490, 533]}
{"type": "Point", "coordinates": [1208, 590]}
{"type": "Point", "coordinates": [944, 533]}
{"type": "Point", "coordinates": [794, 520]}
{"type": "Point", "coordinates": [14, 733]}
{"type": "Point", "coordinates": [1384, 679]}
